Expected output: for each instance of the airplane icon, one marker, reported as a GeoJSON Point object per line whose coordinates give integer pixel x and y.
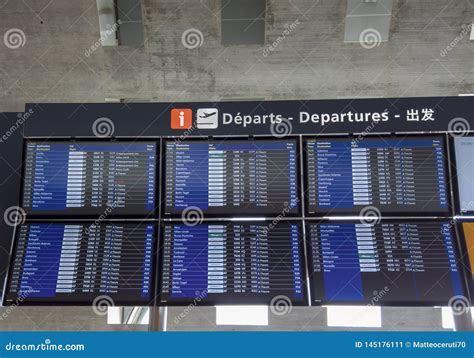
{"type": "Point", "coordinates": [207, 118]}
{"type": "Point", "coordinates": [206, 115]}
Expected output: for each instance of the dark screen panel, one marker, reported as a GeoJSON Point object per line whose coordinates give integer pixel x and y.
{"type": "Point", "coordinates": [88, 178]}
{"type": "Point", "coordinates": [396, 175]}
{"type": "Point", "coordinates": [232, 177]}
{"type": "Point", "coordinates": [232, 263]}
{"type": "Point", "coordinates": [387, 263]}
{"type": "Point", "coordinates": [61, 263]}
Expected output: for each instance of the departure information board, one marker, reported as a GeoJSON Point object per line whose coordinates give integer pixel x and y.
{"type": "Point", "coordinates": [88, 178]}
{"type": "Point", "coordinates": [232, 263]}
{"type": "Point", "coordinates": [76, 262]}
{"type": "Point", "coordinates": [232, 177]}
{"type": "Point", "coordinates": [387, 263]}
{"type": "Point", "coordinates": [464, 148]}
{"type": "Point", "coordinates": [396, 175]}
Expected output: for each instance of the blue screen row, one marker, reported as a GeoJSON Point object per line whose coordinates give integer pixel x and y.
{"type": "Point", "coordinates": [239, 177]}
{"type": "Point", "coordinates": [390, 262]}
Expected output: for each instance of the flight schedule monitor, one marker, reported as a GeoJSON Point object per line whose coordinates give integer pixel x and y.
{"type": "Point", "coordinates": [396, 175]}
{"type": "Point", "coordinates": [232, 177]}
{"type": "Point", "coordinates": [88, 178]}
{"type": "Point", "coordinates": [232, 263]}
{"type": "Point", "coordinates": [392, 262]}
{"type": "Point", "coordinates": [464, 148]}
{"type": "Point", "coordinates": [61, 263]}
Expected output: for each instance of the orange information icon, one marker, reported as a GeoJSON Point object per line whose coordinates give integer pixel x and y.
{"type": "Point", "coordinates": [181, 118]}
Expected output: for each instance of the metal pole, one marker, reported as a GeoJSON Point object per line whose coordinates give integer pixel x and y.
{"type": "Point", "coordinates": [158, 318]}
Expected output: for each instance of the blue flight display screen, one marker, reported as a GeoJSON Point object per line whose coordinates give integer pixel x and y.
{"type": "Point", "coordinates": [77, 262]}
{"type": "Point", "coordinates": [232, 177]}
{"type": "Point", "coordinates": [396, 175]}
{"type": "Point", "coordinates": [232, 263]}
{"type": "Point", "coordinates": [386, 263]}
{"type": "Point", "coordinates": [464, 148]}
{"type": "Point", "coordinates": [88, 178]}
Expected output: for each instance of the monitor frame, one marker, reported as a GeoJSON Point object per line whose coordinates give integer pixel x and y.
{"type": "Point", "coordinates": [405, 303]}
{"type": "Point", "coordinates": [454, 176]}
{"type": "Point", "coordinates": [446, 214]}
{"type": "Point", "coordinates": [238, 214]}
{"type": "Point", "coordinates": [82, 216]}
{"type": "Point", "coordinates": [54, 302]}
{"type": "Point", "coordinates": [263, 301]}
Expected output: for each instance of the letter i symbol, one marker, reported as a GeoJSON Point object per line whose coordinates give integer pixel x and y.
{"type": "Point", "coordinates": [181, 118]}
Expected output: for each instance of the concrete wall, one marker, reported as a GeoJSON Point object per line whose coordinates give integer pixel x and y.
{"type": "Point", "coordinates": [312, 62]}
{"type": "Point", "coordinates": [17, 318]}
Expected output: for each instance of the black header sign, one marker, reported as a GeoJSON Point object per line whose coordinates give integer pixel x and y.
{"type": "Point", "coordinates": [277, 118]}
